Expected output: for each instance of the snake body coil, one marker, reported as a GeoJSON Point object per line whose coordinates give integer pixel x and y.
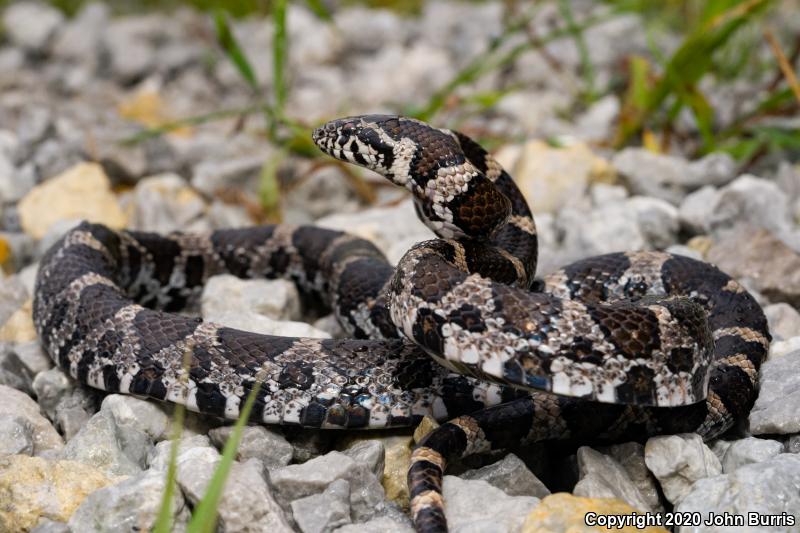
{"type": "Point", "coordinates": [623, 345]}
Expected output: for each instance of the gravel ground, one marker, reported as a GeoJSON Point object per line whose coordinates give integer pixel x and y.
{"type": "Point", "coordinates": [74, 459]}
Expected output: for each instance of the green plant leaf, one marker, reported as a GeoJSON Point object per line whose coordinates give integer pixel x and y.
{"type": "Point", "coordinates": [693, 60]}
{"type": "Point", "coordinates": [227, 40]}
{"type": "Point", "coordinates": [703, 114]}
{"type": "Point", "coordinates": [319, 9]}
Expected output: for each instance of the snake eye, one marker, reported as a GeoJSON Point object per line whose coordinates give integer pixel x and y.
{"type": "Point", "coordinates": [342, 140]}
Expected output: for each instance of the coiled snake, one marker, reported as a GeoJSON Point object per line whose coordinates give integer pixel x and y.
{"type": "Point", "coordinates": [618, 346]}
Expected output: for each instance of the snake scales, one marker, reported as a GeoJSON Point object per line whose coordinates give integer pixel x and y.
{"type": "Point", "coordinates": [623, 345]}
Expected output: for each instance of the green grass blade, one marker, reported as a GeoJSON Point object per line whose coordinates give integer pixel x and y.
{"type": "Point", "coordinates": [492, 59]}
{"type": "Point", "coordinates": [163, 522]}
{"type": "Point", "coordinates": [230, 46]}
{"type": "Point", "coordinates": [587, 67]}
{"type": "Point", "coordinates": [195, 120]}
{"type": "Point", "coordinates": [279, 55]}
{"type": "Point", "coordinates": [204, 517]}
{"type": "Point", "coordinates": [269, 189]}
{"type": "Point", "coordinates": [164, 519]}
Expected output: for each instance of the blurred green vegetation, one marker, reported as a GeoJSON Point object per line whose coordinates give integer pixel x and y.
{"type": "Point", "coordinates": [236, 8]}
{"type": "Point", "coordinates": [718, 41]}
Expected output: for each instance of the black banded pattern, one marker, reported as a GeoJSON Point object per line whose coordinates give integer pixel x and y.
{"type": "Point", "coordinates": [618, 346]}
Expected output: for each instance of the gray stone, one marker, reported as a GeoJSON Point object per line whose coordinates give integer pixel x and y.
{"type": "Point", "coordinates": [657, 219]}
{"type": "Point", "coordinates": [16, 435]}
{"type": "Point", "coordinates": [382, 524]}
{"type": "Point", "coordinates": [129, 506]}
{"type": "Point", "coordinates": [384, 226]}
{"type": "Point", "coordinates": [779, 348]}
{"type": "Point", "coordinates": [141, 415]}
{"type": "Point", "coordinates": [321, 513]}
{"type": "Point", "coordinates": [265, 444]}
{"type": "Point", "coordinates": [27, 275]}
{"type": "Point", "coordinates": [31, 25]}
{"type": "Point", "coordinates": [23, 249]}
{"type": "Point", "coordinates": [679, 249]}
{"type": "Point", "coordinates": [276, 299]}
{"type": "Point", "coordinates": [788, 179]}
{"type": "Point", "coordinates": [313, 477]}
{"type": "Point", "coordinates": [610, 228]}
{"type": "Point", "coordinates": [12, 188]}
{"type": "Point", "coordinates": [67, 404]}
{"type": "Point", "coordinates": [322, 192]}
{"type": "Point", "coordinates": [114, 449]}
{"type": "Point", "coordinates": [256, 323]}
{"type": "Point", "coordinates": [766, 262]}
{"type": "Point", "coordinates": [49, 526]}
{"type": "Point", "coordinates": [511, 475]}
{"type": "Point", "coordinates": [210, 177]}
{"type": "Point", "coordinates": [166, 203]}
{"type": "Point", "coordinates": [414, 71]}
{"type": "Point", "coordinates": [630, 455]}
{"type": "Point", "coordinates": [12, 296]}
{"type": "Point", "coordinates": [308, 443]}
{"type": "Point", "coordinates": [131, 54]}
{"type": "Point", "coordinates": [370, 452]}
{"type": "Point", "coordinates": [766, 488]}
{"type": "Point", "coordinates": [32, 356]}
{"type": "Point", "coordinates": [678, 461]}
{"type": "Point", "coordinates": [55, 232]}
{"type": "Point", "coordinates": [695, 207]}
{"type": "Point", "coordinates": [330, 324]}
{"type": "Point", "coordinates": [367, 30]}
{"type": "Point", "coordinates": [601, 476]}
{"type": "Point", "coordinates": [603, 193]}
{"type": "Point", "coordinates": [720, 448]}
{"type": "Point", "coordinates": [79, 39]}
{"type": "Point", "coordinates": [598, 122]}
{"type": "Point", "coordinates": [717, 168]}
{"type": "Point", "coordinates": [246, 505]}
{"type": "Point", "coordinates": [52, 157]}
{"type": "Point", "coordinates": [158, 457]}
{"type": "Point", "coordinates": [778, 403]}
{"type": "Point", "coordinates": [13, 372]}
{"type": "Point", "coordinates": [792, 445]}
{"type": "Point", "coordinates": [10, 148]}
{"type": "Point", "coordinates": [19, 405]}
{"type": "Point", "coordinates": [783, 320]}
{"type": "Point", "coordinates": [317, 42]}
{"type": "Point", "coordinates": [749, 450]}
{"type": "Point", "coordinates": [35, 124]}
{"type": "Point", "coordinates": [476, 506]}
{"type": "Point", "coordinates": [752, 202]}
{"type": "Point", "coordinates": [460, 29]}
{"type": "Point", "coordinates": [669, 177]}
{"type": "Point", "coordinates": [222, 216]}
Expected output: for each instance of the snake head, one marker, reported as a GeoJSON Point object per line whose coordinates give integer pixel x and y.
{"type": "Point", "coordinates": [363, 140]}
{"type": "Point", "coordinates": [455, 198]}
